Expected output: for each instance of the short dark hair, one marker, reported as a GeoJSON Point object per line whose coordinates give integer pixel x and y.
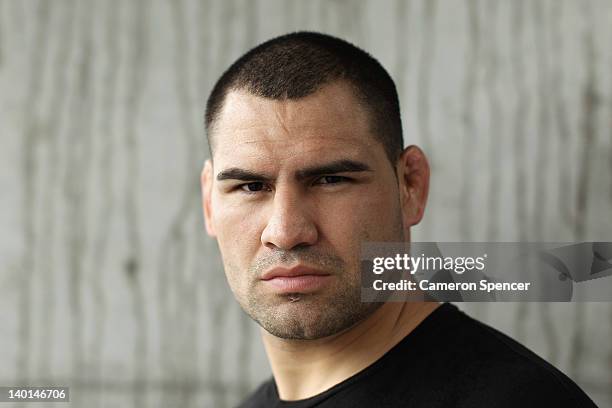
{"type": "Point", "coordinates": [296, 65]}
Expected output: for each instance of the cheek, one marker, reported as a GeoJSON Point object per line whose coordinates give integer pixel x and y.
{"type": "Point", "coordinates": [382, 211]}
{"type": "Point", "coordinates": [372, 215]}
{"type": "Point", "coordinates": [238, 232]}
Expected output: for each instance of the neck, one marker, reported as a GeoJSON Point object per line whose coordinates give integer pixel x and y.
{"type": "Point", "coordinates": [297, 364]}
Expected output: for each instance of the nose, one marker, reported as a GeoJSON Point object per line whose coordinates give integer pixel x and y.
{"type": "Point", "coordinates": [289, 225]}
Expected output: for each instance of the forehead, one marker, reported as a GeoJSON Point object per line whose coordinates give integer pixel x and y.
{"type": "Point", "coordinates": [322, 124]}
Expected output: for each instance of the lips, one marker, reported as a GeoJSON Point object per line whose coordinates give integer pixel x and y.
{"type": "Point", "coordinates": [292, 272]}
{"type": "Point", "coordinates": [299, 279]}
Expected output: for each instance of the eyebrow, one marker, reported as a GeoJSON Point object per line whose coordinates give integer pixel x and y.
{"type": "Point", "coordinates": [338, 166]}
{"type": "Point", "coordinates": [235, 173]}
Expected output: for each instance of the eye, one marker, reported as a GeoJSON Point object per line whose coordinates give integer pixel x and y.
{"type": "Point", "coordinates": [331, 180]}
{"type": "Point", "coordinates": [252, 187]}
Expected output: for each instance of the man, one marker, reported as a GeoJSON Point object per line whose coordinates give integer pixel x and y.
{"type": "Point", "coordinates": [307, 163]}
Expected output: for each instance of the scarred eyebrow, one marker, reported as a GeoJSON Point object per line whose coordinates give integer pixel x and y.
{"type": "Point", "coordinates": [338, 166]}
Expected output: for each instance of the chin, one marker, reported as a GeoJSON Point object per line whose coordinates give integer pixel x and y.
{"type": "Point", "coordinates": [303, 318]}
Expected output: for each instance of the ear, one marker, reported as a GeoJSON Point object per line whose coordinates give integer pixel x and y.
{"type": "Point", "coordinates": [206, 182]}
{"type": "Point", "coordinates": [413, 177]}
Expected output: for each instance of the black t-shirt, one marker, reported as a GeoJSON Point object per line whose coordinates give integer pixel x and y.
{"type": "Point", "coordinates": [449, 360]}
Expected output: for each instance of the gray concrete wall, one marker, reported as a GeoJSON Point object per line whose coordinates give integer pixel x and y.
{"type": "Point", "coordinates": [107, 280]}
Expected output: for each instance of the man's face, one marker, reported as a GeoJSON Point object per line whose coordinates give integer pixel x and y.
{"type": "Point", "coordinates": [296, 187]}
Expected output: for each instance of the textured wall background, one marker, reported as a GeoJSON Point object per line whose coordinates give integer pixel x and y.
{"type": "Point", "coordinates": [107, 280]}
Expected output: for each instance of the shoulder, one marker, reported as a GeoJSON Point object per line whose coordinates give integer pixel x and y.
{"type": "Point", "coordinates": [263, 396]}
{"type": "Point", "coordinates": [492, 365]}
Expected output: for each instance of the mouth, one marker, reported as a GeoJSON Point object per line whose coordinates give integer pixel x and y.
{"type": "Point", "coordinates": [299, 279]}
